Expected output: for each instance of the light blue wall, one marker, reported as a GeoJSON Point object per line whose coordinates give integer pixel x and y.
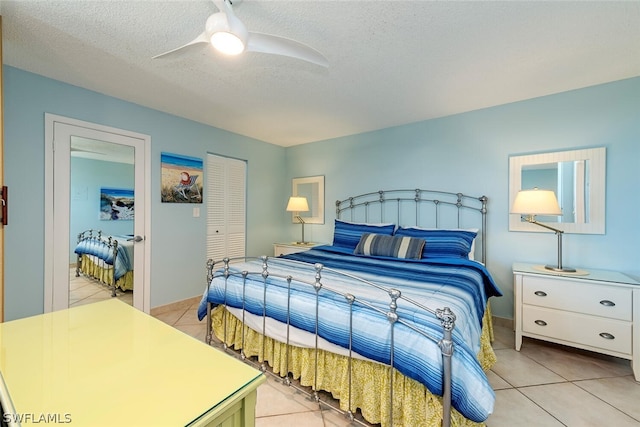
{"type": "Point", "coordinates": [470, 153]}
{"type": "Point", "coordinates": [177, 239]}
{"type": "Point", "coordinates": [87, 178]}
{"type": "Point", "coordinates": [467, 152]}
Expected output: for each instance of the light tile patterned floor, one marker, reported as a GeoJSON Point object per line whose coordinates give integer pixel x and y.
{"type": "Point", "coordinates": [83, 290]}
{"type": "Point", "coordinates": [542, 385]}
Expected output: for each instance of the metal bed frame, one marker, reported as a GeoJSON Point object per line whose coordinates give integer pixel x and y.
{"type": "Point", "coordinates": [112, 245]}
{"type": "Point", "coordinates": [426, 207]}
{"type": "Point", "coordinates": [361, 207]}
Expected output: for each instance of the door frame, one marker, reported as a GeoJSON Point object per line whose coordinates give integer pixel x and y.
{"type": "Point", "coordinates": [1, 180]}
{"type": "Point", "coordinates": [49, 241]}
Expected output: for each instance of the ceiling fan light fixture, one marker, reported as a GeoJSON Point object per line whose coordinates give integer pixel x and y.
{"type": "Point", "coordinates": [227, 43]}
{"type": "Point", "coordinates": [229, 36]}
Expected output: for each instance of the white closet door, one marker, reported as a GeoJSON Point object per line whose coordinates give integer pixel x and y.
{"type": "Point", "coordinates": [226, 207]}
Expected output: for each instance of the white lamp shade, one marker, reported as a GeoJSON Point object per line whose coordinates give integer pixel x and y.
{"type": "Point", "coordinates": [297, 204]}
{"type": "Point", "coordinates": [536, 202]}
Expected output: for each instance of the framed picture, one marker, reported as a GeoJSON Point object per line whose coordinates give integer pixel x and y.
{"type": "Point", "coordinates": [182, 178]}
{"type": "Point", "coordinates": [116, 204]}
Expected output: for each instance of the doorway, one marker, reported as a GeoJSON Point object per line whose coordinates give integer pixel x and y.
{"type": "Point", "coordinates": [59, 134]}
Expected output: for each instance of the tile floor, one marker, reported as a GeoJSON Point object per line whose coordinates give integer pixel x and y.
{"type": "Point", "coordinates": [83, 290]}
{"type": "Point", "coordinates": [542, 385]}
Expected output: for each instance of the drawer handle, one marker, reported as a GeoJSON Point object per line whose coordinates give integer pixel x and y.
{"type": "Point", "coordinates": [540, 293]}
{"type": "Point", "coordinates": [607, 336]}
{"type": "Point", "coordinates": [543, 323]}
{"type": "Point", "coordinates": [607, 303]}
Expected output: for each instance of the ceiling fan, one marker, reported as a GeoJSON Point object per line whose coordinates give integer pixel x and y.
{"type": "Point", "coordinates": [228, 34]}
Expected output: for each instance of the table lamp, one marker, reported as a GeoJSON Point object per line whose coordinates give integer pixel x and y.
{"type": "Point", "coordinates": [297, 205]}
{"type": "Point", "coordinates": [530, 203]}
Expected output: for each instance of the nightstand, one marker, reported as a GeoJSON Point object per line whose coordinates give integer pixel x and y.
{"type": "Point", "coordinates": [596, 310]}
{"type": "Point", "coordinates": [292, 247]}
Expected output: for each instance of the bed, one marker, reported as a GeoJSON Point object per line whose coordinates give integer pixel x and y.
{"type": "Point", "coordinates": [97, 255]}
{"type": "Point", "coordinates": [392, 320]}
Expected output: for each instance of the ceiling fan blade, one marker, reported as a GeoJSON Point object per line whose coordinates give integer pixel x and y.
{"type": "Point", "coordinates": [220, 4]}
{"type": "Point", "coordinates": [235, 25]}
{"type": "Point", "coordinates": [202, 38]}
{"type": "Point", "coordinates": [267, 43]}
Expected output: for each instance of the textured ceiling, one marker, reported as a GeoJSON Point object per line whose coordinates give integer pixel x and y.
{"type": "Point", "coordinates": [391, 63]}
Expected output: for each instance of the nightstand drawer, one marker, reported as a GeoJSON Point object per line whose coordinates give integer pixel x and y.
{"type": "Point", "coordinates": [598, 332]}
{"type": "Point", "coordinates": [579, 297]}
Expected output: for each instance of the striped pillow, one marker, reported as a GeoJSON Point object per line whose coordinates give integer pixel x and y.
{"type": "Point", "coordinates": [442, 243]}
{"type": "Point", "coordinates": [391, 246]}
{"type": "Point", "coordinates": [347, 234]}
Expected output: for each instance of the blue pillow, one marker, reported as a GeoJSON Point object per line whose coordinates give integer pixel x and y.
{"type": "Point", "coordinates": [442, 243]}
{"type": "Point", "coordinates": [391, 246]}
{"type": "Point", "coordinates": [347, 234]}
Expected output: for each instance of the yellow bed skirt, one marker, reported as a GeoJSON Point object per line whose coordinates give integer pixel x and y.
{"type": "Point", "coordinates": [414, 405]}
{"type": "Point", "coordinates": [105, 275]}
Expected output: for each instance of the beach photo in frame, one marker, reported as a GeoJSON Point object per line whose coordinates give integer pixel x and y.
{"type": "Point", "coordinates": [116, 204]}
{"type": "Point", "coordinates": [181, 178]}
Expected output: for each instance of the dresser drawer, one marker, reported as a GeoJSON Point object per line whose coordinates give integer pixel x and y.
{"type": "Point", "coordinates": [579, 297]}
{"type": "Point", "coordinates": [607, 334]}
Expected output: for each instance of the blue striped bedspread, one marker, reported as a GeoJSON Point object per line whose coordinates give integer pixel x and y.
{"type": "Point", "coordinates": [98, 248]}
{"type": "Point", "coordinates": [463, 286]}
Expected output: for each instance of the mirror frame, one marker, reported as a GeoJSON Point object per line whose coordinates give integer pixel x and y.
{"type": "Point", "coordinates": [597, 157]}
{"type": "Point", "coordinates": [316, 204]}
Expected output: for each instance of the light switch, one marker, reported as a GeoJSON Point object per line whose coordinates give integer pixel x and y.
{"type": "Point", "coordinates": [196, 212]}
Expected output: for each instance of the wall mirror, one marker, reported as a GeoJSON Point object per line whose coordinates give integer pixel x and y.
{"type": "Point", "coordinates": [311, 187]}
{"type": "Point", "coordinates": [578, 179]}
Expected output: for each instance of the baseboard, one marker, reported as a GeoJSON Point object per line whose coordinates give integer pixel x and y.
{"type": "Point", "coordinates": [178, 305]}
{"type": "Point", "coordinates": [502, 322]}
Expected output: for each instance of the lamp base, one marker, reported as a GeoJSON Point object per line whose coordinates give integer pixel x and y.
{"type": "Point", "coordinates": [560, 269]}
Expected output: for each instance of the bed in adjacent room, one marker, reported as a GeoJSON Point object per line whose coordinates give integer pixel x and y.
{"type": "Point", "coordinates": [107, 259]}
{"type": "Point", "coordinates": [338, 317]}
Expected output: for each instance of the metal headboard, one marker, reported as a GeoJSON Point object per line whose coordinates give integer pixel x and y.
{"type": "Point", "coordinates": [420, 208]}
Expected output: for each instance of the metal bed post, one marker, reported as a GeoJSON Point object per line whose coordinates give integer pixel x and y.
{"type": "Point", "coordinates": [448, 320]}
{"type": "Point", "coordinates": [317, 286]}
{"type": "Point", "coordinates": [113, 269]}
{"type": "Point", "coordinates": [209, 336]}
{"type": "Point", "coordinates": [483, 211]}
{"type": "Point", "coordinates": [287, 380]}
{"type": "Point", "coordinates": [226, 278]}
{"type": "Point", "coordinates": [79, 256]}
{"type": "Point", "coordinates": [392, 317]}
{"type": "Point", "coordinates": [265, 275]}
{"type": "Point", "coordinates": [244, 310]}
{"type": "Point", "coordinates": [350, 300]}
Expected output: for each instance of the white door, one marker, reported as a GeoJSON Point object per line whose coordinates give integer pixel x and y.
{"type": "Point", "coordinates": [59, 132]}
{"type": "Point", "coordinates": [226, 207]}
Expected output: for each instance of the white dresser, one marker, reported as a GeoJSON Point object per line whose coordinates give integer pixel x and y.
{"type": "Point", "coordinates": [290, 248]}
{"type": "Point", "coordinates": [596, 310]}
